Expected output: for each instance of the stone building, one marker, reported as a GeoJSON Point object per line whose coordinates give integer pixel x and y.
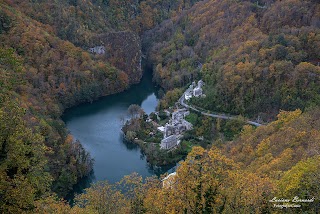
{"type": "Point", "coordinates": [200, 84]}
{"type": "Point", "coordinates": [187, 125]}
{"type": "Point", "coordinates": [98, 50]}
{"type": "Point", "coordinates": [169, 142]}
{"type": "Point", "coordinates": [197, 92]}
{"type": "Point", "coordinates": [176, 126]}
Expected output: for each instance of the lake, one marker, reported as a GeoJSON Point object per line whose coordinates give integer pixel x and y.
{"type": "Point", "coordinates": [98, 127]}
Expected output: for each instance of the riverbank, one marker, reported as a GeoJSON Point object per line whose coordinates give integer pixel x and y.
{"type": "Point", "coordinates": [167, 136]}
{"type": "Point", "coordinates": [161, 158]}
{"type": "Point", "coordinates": [97, 126]}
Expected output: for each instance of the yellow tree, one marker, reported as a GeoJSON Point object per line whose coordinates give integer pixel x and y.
{"type": "Point", "coordinates": [199, 186]}
{"type": "Point", "coordinates": [102, 197]}
{"type": "Point", "coordinates": [302, 181]}
{"type": "Point", "coordinates": [23, 178]}
{"type": "Point", "coordinates": [248, 192]}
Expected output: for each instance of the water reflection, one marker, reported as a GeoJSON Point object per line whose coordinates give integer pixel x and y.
{"type": "Point", "coordinates": [98, 127]}
{"type": "Point", "coordinates": [128, 145]}
{"type": "Point", "coordinates": [152, 169]}
{"type": "Point", "coordinates": [84, 183]}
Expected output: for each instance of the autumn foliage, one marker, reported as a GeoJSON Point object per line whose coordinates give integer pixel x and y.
{"type": "Point", "coordinates": [256, 56]}
{"type": "Point", "coordinates": [277, 160]}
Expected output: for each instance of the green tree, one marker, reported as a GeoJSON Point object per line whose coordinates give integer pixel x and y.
{"type": "Point", "coordinates": [22, 167]}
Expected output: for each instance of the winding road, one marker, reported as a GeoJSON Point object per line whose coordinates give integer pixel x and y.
{"type": "Point", "coordinates": [181, 101]}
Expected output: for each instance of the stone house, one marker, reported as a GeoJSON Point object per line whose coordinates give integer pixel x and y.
{"type": "Point", "coordinates": [187, 125]}
{"type": "Point", "coordinates": [197, 92]}
{"type": "Point", "coordinates": [169, 142]}
{"type": "Point", "coordinates": [200, 84]}
{"type": "Point", "coordinates": [98, 50]}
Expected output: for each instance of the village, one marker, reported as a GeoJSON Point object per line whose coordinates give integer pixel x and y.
{"type": "Point", "coordinates": [161, 135]}
{"type": "Point", "coordinates": [177, 125]}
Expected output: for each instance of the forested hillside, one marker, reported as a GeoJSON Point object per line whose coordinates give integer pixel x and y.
{"type": "Point", "coordinates": [78, 20]}
{"type": "Point", "coordinates": [278, 160]}
{"type": "Point", "coordinates": [41, 75]}
{"type": "Point", "coordinates": [45, 68]}
{"type": "Point", "coordinates": [256, 56]}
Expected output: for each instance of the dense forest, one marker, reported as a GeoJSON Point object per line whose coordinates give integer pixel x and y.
{"type": "Point", "coordinates": [256, 57]}
{"type": "Point", "coordinates": [45, 68]}
{"type": "Point", "coordinates": [242, 176]}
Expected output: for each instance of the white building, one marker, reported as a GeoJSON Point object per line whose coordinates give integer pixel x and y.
{"type": "Point", "coordinates": [188, 93]}
{"type": "Point", "coordinates": [187, 96]}
{"type": "Point", "coordinates": [169, 142]}
{"type": "Point", "coordinates": [176, 126]}
{"type": "Point", "coordinates": [161, 129]}
{"type": "Point", "coordinates": [187, 124]}
{"type": "Point", "coordinates": [98, 50]}
{"type": "Point", "coordinates": [177, 129]}
{"type": "Point", "coordinates": [169, 130]}
{"type": "Point", "coordinates": [194, 90]}
{"type": "Point", "coordinates": [200, 84]}
{"type": "Point", "coordinates": [197, 92]}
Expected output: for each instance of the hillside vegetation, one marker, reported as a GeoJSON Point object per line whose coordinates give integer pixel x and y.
{"type": "Point", "coordinates": [42, 75]}
{"type": "Point", "coordinates": [278, 160]}
{"type": "Point", "coordinates": [78, 20]}
{"type": "Point", "coordinates": [256, 56]}
{"type": "Point", "coordinates": [45, 67]}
